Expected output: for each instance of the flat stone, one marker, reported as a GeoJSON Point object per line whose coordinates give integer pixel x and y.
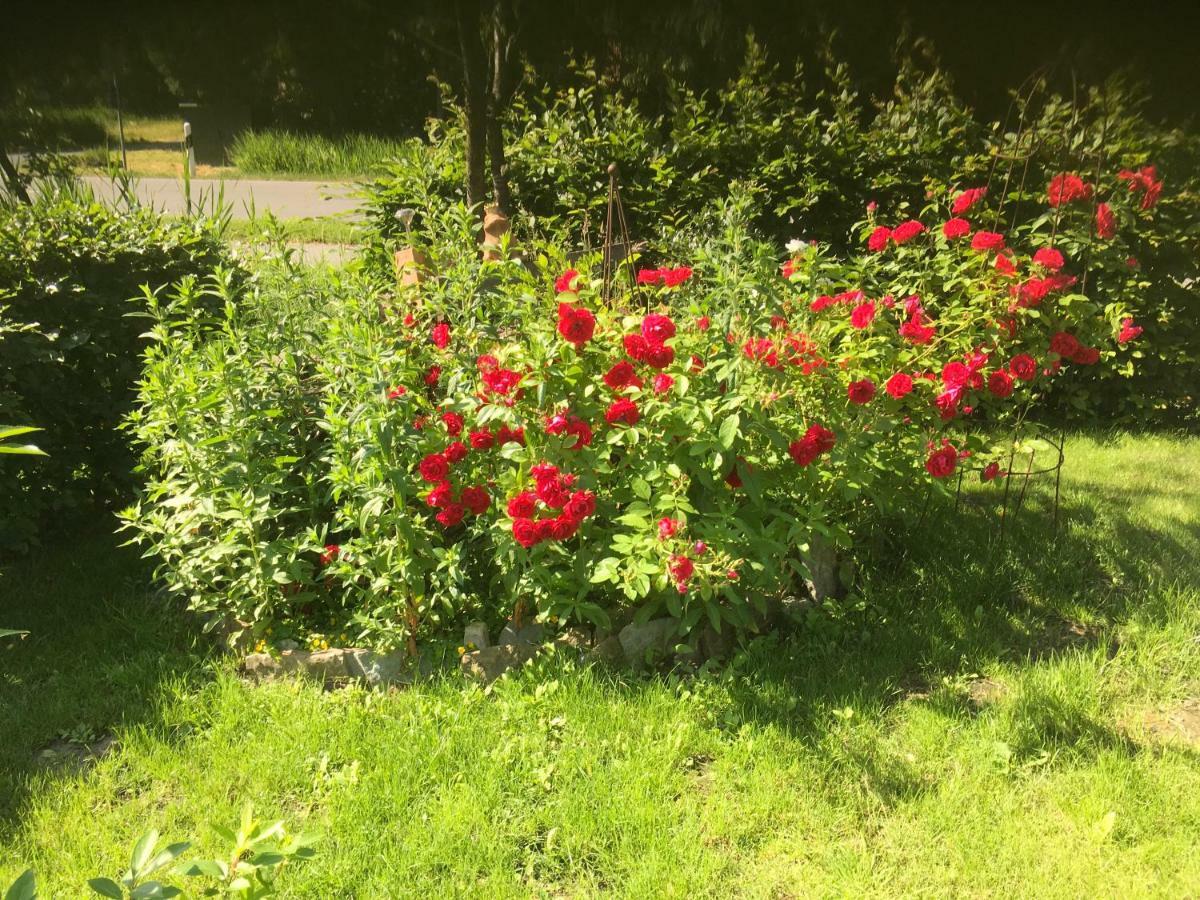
{"type": "Point", "coordinates": [288, 644]}
{"type": "Point", "coordinates": [260, 665]}
{"type": "Point", "coordinates": [608, 651]}
{"type": "Point", "coordinates": [476, 635]}
{"type": "Point", "coordinates": [490, 663]}
{"type": "Point", "coordinates": [377, 668]}
{"type": "Point", "coordinates": [655, 636]}
{"type": "Point", "coordinates": [533, 633]}
{"type": "Point", "coordinates": [821, 559]}
{"type": "Point", "coordinates": [716, 644]}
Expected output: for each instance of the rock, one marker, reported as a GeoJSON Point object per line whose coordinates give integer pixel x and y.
{"type": "Point", "coordinates": [608, 651]}
{"type": "Point", "coordinates": [716, 644]}
{"type": "Point", "coordinates": [655, 636]}
{"type": "Point", "coordinates": [476, 635]}
{"type": "Point", "coordinates": [490, 663]}
{"type": "Point", "coordinates": [288, 644]}
{"type": "Point", "coordinates": [293, 662]}
{"type": "Point", "coordinates": [528, 634]}
{"type": "Point", "coordinates": [575, 637]}
{"type": "Point", "coordinates": [260, 665]}
{"type": "Point", "coordinates": [821, 559]}
{"type": "Point", "coordinates": [377, 668]}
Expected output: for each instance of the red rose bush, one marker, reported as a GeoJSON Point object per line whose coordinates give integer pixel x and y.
{"type": "Point", "coordinates": [500, 439]}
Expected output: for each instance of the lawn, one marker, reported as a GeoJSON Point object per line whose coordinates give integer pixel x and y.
{"type": "Point", "coordinates": [980, 720]}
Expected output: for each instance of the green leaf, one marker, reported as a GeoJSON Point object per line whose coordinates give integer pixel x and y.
{"type": "Point", "coordinates": [141, 852]}
{"type": "Point", "coordinates": [641, 488]}
{"type": "Point", "coordinates": [106, 887]}
{"type": "Point", "coordinates": [24, 888]}
{"type": "Point", "coordinates": [729, 431]}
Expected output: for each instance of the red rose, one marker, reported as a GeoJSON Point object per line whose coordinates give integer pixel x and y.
{"type": "Point", "coordinates": [623, 410]}
{"type": "Point", "coordinates": [955, 374]}
{"type": "Point", "coordinates": [667, 528]}
{"type": "Point", "coordinates": [1049, 258]}
{"type": "Point", "coordinates": [1023, 366]}
{"type": "Point", "coordinates": [878, 239]}
{"type": "Point", "coordinates": [863, 315]}
{"type": "Point", "coordinates": [956, 228]}
{"type": "Point", "coordinates": [456, 451]}
{"type": "Point", "coordinates": [681, 569]}
{"type": "Point", "coordinates": [987, 240]}
{"type": "Point", "coordinates": [899, 385]}
{"type": "Point", "coordinates": [816, 441]}
{"type": "Point", "coordinates": [551, 492]}
{"type": "Point", "coordinates": [501, 381]}
{"type": "Point", "coordinates": [434, 468]}
{"type": "Point", "coordinates": [1064, 344]}
{"type": "Point", "coordinates": [650, 276]}
{"type": "Point", "coordinates": [1067, 188]}
{"type": "Point", "coordinates": [441, 495]}
{"type": "Point", "coordinates": [663, 383]}
{"type": "Point", "coordinates": [1106, 222]}
{"type": "Point", "coordinates": [332, 552]}
{"type": "Point", "coordinates": [432, 376]}
{"type": "Point", "coordinates": [703, 323]}
{"type": "Point", "coordinates": [440, 336]}
{"type": "Point", "coordinates": [453, 422]}
{"type": "Point", "coordinates": [942, 463]}
{"type": "Point", "coordinates": [564, 527]}
{"type": "Point", "coordinates": [483, 439]}
{"type": "Point", "coordinates": [915, 331]}
{"type": "Point", "coordinates": [1086, 356]}
{"type": "Point", "coordinates": [580, 505]}
{"type": "Point", "coordinates": [564, 283]}
{"type": "Point", "coordinates": [1129, 331]}
{"type": "Point", "coordinates": [487, 363]}
{"type": "Point", "coordinates": [906, 231]}
{"type": "Point", "coordinates": [397, 392]}
{"type": "Point", "coordinates": [1000, 383]}
{"type": "Point", "coordinates": [476, 499]}
{"type": "Point", "coordinates": [506, 435]}
{"type": "Point", "coordinates": [635, 345]}
{"type": "Point", "coordinates": [1004, 264]}
{"type": "Point", "coordinates": [966, 199]}
{"type": "Point", "coordinates": [677, 276]}
{"type": "Point", "coordinates": [522, 506]}
{"type": "Point", "coordinates": [861, 391]}
{"type": "Point", "coordinates": [991, 473]}
{"type": "Point", "coordinates": [657, 328]}
{"type": "Point", "coordinates": [525, 532]}
{"type": "Point", "coordinates": [575, 324]}
{"type": "Point", "coordinates": [451, 515]}
{"type": "Point", "coordinates": [659, 357]}
{"type": "Point", "coordinates": [622, 375]}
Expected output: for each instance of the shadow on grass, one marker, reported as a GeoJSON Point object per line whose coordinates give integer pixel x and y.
{"type": "Point", "coordinates": [951, 600]}
{"type": "Point", "coordinates": [101, 645]}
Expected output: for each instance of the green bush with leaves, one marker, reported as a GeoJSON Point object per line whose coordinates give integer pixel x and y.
{"type": "Point", "coordinates": [71, 271]}
{"type": "Point", "coordinates": [330, 456]}
{"type": "Point", "coordinates": [814, 154]}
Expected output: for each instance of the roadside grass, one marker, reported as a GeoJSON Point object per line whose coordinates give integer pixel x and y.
{"type": "Point", "coordinates": [275, 152]}
{"type": "Point", "coordinates": [971, 722]}
{"type": "Point", "coordinates": [324, 230]}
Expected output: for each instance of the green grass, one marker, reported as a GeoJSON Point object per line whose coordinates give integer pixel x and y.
{"type": "Point", "coordinates": [326, 230]}
{"type": "Point", "coordinates": [275, 152]}
{"type": "Point", "coordinates": [848, 760]}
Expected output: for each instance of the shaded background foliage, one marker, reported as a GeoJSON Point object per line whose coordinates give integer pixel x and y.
{"type": "Point", "coordinates": [359, 65]}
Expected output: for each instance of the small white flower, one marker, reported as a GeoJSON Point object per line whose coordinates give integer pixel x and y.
{"type": "Point", "coordinates": [795, 245]}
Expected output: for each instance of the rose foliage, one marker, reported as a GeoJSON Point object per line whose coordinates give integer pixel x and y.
{"type": "Point", "coordinates": [337, 454]}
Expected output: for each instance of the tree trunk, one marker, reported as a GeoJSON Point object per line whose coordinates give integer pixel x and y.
{"type": "Point", "coordinates": [11, 178]}
{"type": "Point", "coordinates": [467, 13]}
{"type": "Point", "coordinates": [495, 128]}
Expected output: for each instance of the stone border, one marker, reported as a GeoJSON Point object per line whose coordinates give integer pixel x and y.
{"type": "Point", "coordinates": [634, 646]}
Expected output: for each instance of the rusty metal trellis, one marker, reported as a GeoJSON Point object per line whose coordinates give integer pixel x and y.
{"type": "Point", "coordinates": [619, 249]}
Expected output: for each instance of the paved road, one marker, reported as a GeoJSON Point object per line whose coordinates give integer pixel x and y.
{"type": "Point", "coordinates": [285, 199]}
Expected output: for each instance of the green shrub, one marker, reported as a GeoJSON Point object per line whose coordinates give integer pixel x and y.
{"type": "Point", "coordinates": [70, 270]}
{"type": "Point", "coordinates": [328, 457]}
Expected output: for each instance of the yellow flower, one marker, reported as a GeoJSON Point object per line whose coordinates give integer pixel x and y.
{"type": "Point", "coordinates": [462, 651]}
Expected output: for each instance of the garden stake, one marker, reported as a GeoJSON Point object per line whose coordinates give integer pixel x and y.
{"type": "Point", "coordinates": [1025, 483]}
{"type": "Point", "coordinates": [1062, 444]}
{"type": "Point", "coordinates": [615, 217]}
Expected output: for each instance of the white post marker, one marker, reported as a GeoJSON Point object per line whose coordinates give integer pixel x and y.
{"type": "Point", "coordinates": [191, 151]}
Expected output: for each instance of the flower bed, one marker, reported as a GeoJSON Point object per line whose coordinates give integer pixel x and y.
{"type": "Point", "coordinates": [496, 444]}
